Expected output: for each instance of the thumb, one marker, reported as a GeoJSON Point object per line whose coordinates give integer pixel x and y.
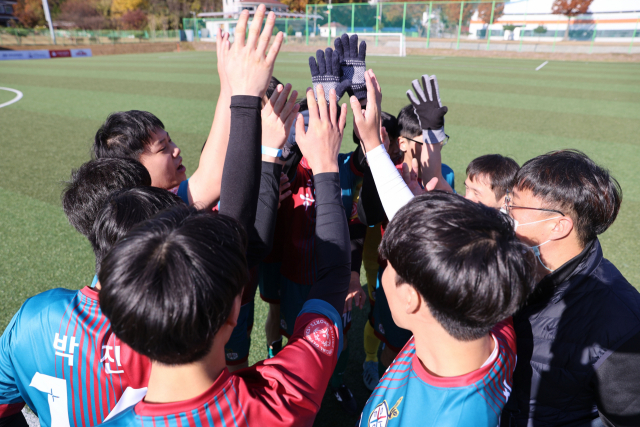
{"type": "Point", "coordinates": [300, 132]}
{"type": "Point", "coordinates": [444, 110]}
{"type": "Point", "coordinates": [406, 173]}
{"type": "Point", "coordinates": [431, 185]}
{"type": "Point", "coordinates": [342, 88]}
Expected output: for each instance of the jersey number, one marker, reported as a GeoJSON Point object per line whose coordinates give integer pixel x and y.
{"type": "Point", "coordinates": [56, 390]}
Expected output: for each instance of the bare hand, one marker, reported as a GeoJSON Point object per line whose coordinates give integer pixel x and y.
{"type": "Point", "coordinates": [384, 137]}
{"type": "Point", "coordinates": [222, 45]}
{"type": "Point", "coordinates": [284, 188]}
{"type": "Point", "coordinates": [367, 123]}
{"type": "Point", "coordinates": [355, 295]}
{"type": "Point", "coordinates": [278, 115]}
{"type": "Point", "coordinates": [248, 69]}
{"type": "Point", "coordinates": [320, 144]}
{"type": "Point", "coordinates": [410, 177]}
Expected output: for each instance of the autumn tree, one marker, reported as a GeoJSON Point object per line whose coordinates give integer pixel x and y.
{"type": "Point", "coordinates": [484, 12]}
{"type": "Point", "coordinates": [120, 7]}
{"type": "Point", "coordinates": [451, 13]}
{"type": "Point", "coordinates": [133, 20]}
{"type": "Point", "coordinates": [83, 14]}
{"type": "Point", "coordinates": [29, 12]}
{"type": "Point", "coordinates": [570, 8]}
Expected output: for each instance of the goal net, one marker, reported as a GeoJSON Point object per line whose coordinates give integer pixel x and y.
{"type": "Point", "coordinates": [384, 44]}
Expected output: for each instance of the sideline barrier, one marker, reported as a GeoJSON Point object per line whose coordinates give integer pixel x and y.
{"type": "Point", "coordinates": [44, 54]}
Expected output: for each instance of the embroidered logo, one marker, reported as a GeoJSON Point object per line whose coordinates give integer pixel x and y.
{"type": "Point", "coordinates": [379, 416]}
{"type": "Point", "coordinates": [321, 335]}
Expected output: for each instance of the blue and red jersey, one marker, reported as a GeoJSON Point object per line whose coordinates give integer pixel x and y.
{"type": "Point", "coordinates": [409, 395]}
{"type": "Point", "coordinates": [59, 356]}
{"type": "Point", "coordinates": [274, 392]}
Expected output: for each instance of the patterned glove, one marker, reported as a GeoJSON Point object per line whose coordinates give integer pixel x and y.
{"type": "Point", "coordinates": [327, 72]}
{"type": "Point", "coordinates": [353, 64]}
{"type": "Point", "coordinates": [429, 109]}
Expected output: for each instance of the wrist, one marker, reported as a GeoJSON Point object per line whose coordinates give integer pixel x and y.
{"type": "Point", "coordinates": [371, 143]}
{"type": "Point", "coordinates": [325, 167]}
{"type": "Point", "coordinates": [271, 159]}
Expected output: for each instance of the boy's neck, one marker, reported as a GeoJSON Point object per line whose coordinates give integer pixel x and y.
{"type": "Point", "coordinates": [444, 356]}
{"type": "Point", "coordinates": [177, 383]}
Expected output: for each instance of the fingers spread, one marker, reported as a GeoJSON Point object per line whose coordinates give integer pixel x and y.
{"type": "Point", "coordinates": [256, 24]}
{"type": "Point", "coordinates": [321, 62]}
{"type": "Point", "coordinates": [312, 106]}
{"type": "Point", "coordinates": [241, 29]}
{"type": "Point", "coordinates": [266, 34]}
{"type": "Point", "coordinates": [333, 107]}
{"type": "Point", "coordinates": [300, 132]}
{"type": "Point", "coordinates": [418, 90]}
{"type": "Point", "coordinates": [322, 103]}
{"type": "Point", "coordinates": [282, 98]}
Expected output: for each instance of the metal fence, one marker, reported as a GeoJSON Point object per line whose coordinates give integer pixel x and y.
{"type": "Point", "coordinates": [29, 37]}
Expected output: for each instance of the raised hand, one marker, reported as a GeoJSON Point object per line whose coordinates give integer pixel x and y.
{"type": "Point", "coordinates": [429, 109]}
{"type": "Point", "coordinates": [248, 69]}
{"type": "Point", "coordinates": [410, 177]}
{"type": "Point", "coordinates": [277, 117]}
{"type": "Point", "coordinates": [222, 45]}
{"type": "Point", "coordinates": [367, 122]}
{"type": "Point", "coordinates": [327, 72]}
{"type": "Point", "coordinates": [352, 61]}
{"type": "Point", "coordinates": [320, 143]}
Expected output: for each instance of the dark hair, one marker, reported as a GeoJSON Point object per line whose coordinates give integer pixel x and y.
{"type": "Point", "coordinates": [91, 184]}
{"type": "Point", "coordinates": [408, 123]}
{"type": "Point", "coordinates": [170, 284]}
{"type": "Point", "coordinates": [569, 181]}
{"type": "Point", "coordinates": [389, 122]}
{"type": "Point", "coordinates": [273, 84]}
{"type": "Point", "coordinates": [464, 259]}
{"type": "Point", "coordinates": [498, 169]}
{"type": "Point", "coordinates": [125, 134]}
{"type": "Point", "coordinates": [122, 211]}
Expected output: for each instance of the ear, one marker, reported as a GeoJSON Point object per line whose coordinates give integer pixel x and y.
{"type": "Point", "coordinates": [402, 143]}
{"type": "Point", "coordinates": [409, 298]}
{"type": "Point", "coordinates": [562, 228]}
{"type": "Point", "coordinates": [232, 320]}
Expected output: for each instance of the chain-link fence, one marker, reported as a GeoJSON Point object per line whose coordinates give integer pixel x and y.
{"type": "Point", "coordinates": [29, 37]}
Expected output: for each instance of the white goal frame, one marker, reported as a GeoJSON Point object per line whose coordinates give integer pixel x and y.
{"type": "Point", "coordinates": [402, 49]}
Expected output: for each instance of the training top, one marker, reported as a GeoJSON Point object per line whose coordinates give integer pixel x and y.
{"type": "Point", "coordinates": [274, 392]}
{"type": "Point", "coordinates": [59, 356]}
{"type": "Point", "coordinates": [408, 395]}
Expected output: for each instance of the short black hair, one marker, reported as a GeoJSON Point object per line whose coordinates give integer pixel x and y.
{"type": "Point", "coordinates": [122, 211]}
{"type": "Point", "coordinates": [408, 123]}
{"type": "Point", "coordinates": [570, 182]}
{"type": "Point", "coordinates": [91, 184]}
{"type": "Point", "coordinates": [169, 285]}
{"type": "Point", "coordinates": [498, 169]}
{"type": "Point", "coordinates": [463, 258]}
{"type": "Point", "coordinates": [125, 134]}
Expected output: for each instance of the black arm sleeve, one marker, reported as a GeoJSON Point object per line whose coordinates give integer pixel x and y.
{"type": "Point", "coordinates": [333, 251]}
{"type": "Point", "coordinates": [357, 233]}
{"type": "Point", "coordinates": [370, 209]}
{"type": "Point", "coordinates": [241, 173]}
{"type": "Point", "coordinates": [261, 234]}
{"type": "Point", "coordinates": [15, 420]}
{"type": "Point", "coordinates": [618, 385]}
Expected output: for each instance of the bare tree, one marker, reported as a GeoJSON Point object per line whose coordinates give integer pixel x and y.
{"type": "Point", "coordinates": [570, 8]}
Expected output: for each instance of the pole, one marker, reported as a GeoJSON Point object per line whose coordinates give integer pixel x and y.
{"type": "Point", "coordinates": [353, 16]}
{"type": "Point", "coordinates": [524, 26]}
{"type": "Point", "coordinates": [286, 29]}
{"type": "Point", "coordinates": [329, 27]}
{"type": "Point", "coordinates": [429, 23]}
{"type": "Point", "coordinates": [460, 25]}
{"type": "Point", "coordinates": [634, 35]}
{"type": "Point", "coordinates": [306, 21]}
{"type": "Point", "coordinates": [47, 16]}
{"type": "Point", "coordinates": [593, 39]}
{"type": "Point", "coordinates": [404, 17]}
{"type": "Point", "coordinates": [377, 21]}
{"type": "Point", "coordinates": [493, 8]}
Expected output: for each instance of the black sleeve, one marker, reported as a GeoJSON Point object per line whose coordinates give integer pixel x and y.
{"type": "Point", "coordinates": [617, 381]}
{"type": "Point", "coordinates": [357, 233]}
{"type": "Point", "coordinates": [241, 173]}
{"type": "Point", "coordinates": [370, 209]}
{"type": "Point", "coordinates": [15, 420]}
{"type": "Point", "coordinates": [261, 234]}
{"type": "Point", "coordinates": [333, 251]}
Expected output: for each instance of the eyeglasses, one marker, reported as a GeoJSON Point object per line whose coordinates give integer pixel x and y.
{"type": "Point", "coordinates": [508, 206]}
{"type": "Point", "coordinates": [444, 142]}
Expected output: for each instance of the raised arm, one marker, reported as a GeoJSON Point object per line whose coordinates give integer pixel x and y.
{"type": "Point", "coordinates": [320, 145]}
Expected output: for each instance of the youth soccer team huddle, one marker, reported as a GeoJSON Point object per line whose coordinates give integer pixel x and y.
{"type": "Point", "coordinates": [493, 309]}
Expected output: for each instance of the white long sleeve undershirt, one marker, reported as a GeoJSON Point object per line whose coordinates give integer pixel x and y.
{"type": "Point", "coordinates": [393, 191]}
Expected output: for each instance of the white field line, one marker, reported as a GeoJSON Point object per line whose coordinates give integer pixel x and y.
{"type": "Point", "coordinates": [542, 65]}
{"type": "Point", "coordinates": [16, 99]}
{"type": "Point", "coordinates": [438, 57]}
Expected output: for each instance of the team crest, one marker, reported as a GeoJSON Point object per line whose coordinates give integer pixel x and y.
{"type": "Point", "coordinates": [321, 335]}
{"type": "Point", "coordinates": [381, 415]}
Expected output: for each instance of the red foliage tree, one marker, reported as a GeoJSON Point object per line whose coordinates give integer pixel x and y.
{"type": "Point", "coordinates": [29, 12]}
{"type": "Point", "coordinates": [570, 8]}
{"type": "Point", "coordinates": [452, 13]}
{"type": "Point", "coordinates": [484, 12]}
{"type": "Point", "coordinates": [134, 20]}
{"type": "Point", "coordinates": [83, 14]}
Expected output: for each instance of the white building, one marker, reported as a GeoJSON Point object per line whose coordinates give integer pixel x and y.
{"type": "Point", "coordinates": [237, 6]}
{"type": "Point", "coordinates": [336, 29]}
{"type": "Point", "coordinates": [611, 20]}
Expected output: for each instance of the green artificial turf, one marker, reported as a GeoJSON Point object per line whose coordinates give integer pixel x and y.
{"type": "Point", "coordinates": [495, 106]}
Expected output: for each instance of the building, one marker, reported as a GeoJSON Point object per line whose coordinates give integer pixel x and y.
{"type": "Point", "coordinates": [607, 21]}
{"type": "Point", "coordinates": [336, 29]}
{"type": "Point", "coordinates": [237, 6]}
{"type": "Point", "coordinates": [7, 13]}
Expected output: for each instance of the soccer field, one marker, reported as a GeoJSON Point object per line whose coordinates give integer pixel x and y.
{"type": "Point", "coordinates": [495, 106]}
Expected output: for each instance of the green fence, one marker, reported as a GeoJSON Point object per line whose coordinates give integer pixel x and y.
{"type": "Point", "coordinates": [28, 37]}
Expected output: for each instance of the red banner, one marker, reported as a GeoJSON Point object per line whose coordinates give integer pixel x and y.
{"type": "Point", "coordinates": [60, 53]}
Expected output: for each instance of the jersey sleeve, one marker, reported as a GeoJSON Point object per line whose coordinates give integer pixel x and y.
{"type": "Point", "coordinates": [11, 401]}
{"type": "Point", "coordinates": [449, 176]}
{"type": "Point", "coordinates": [182, 191]}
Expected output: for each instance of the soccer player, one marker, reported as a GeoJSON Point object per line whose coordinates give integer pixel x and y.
{"type": "Point", "coordinates": [189, 381]}
{"type": "Point", "coordinates": [489, 178]}
{"type": "Point", "coordinates": [578, 336]}
{"type": "Point", "coordinates": [455, 274]}
{"type": "Point", "coordinates": [58, 353]}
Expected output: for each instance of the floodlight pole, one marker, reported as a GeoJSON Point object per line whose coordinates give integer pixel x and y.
{"type": "Point", "coordinates": [493, 7]}
{"type": "Point", "coordinates": [634, 35]}
{"type": "Point", "coordinates": [460, 25]}
{"type": "Point", "coordinates": [47, 16]}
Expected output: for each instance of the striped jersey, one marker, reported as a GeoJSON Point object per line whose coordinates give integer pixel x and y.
{"type": "Point", "coordinates": [408, 395]}
{"type": "Point", "coordinates": [274, 392]}
{"type": "Point", "coordinates": [59, 356]}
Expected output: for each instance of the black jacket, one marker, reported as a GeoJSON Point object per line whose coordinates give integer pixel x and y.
{"type": "Point", "coordinates": [578, 343]}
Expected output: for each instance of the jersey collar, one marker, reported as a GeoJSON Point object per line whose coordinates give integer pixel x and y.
{"type": "Point", "coordinates": [89, 292]}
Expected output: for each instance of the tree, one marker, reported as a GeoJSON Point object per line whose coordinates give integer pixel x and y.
{"type": "Point", "coordinates": [296, 5]}
{"type": "Point", "coordinates": [29, 12]}
{"type": "Point", "coordinates": [119, 7]}
{"type": "Point", "coordinates": [451, 13]}
{"type": "Point", "coordinates": [134, 20]}
{"type": "Point", "coordinates": [484, 12]}
{"type": "Point", "coordinates": [570, 8]}
{"type": "Point", "coordinates": [83, 13]}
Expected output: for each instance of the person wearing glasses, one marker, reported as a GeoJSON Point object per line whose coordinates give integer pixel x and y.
{"type": "Point", "coordinates": [578, 335]}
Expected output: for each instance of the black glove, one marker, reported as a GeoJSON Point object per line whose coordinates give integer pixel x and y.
{"type": "Point", "coordinates": [353, 64]}
{"type": "Point", "coordinates": [328, 73]}
{"type": "Point", "coordinates": [429, 109]}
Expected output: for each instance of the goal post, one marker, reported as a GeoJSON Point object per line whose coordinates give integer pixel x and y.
{"type": "Point", "coordinates": [384, 44]}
